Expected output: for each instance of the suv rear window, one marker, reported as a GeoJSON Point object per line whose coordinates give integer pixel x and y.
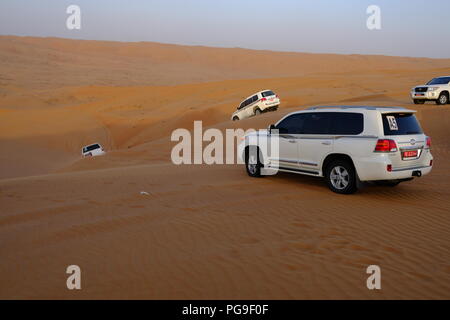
{"type": "Point", "coordinates": [395, 124]}
{"type": "Point", "coordinates": [267, 94]}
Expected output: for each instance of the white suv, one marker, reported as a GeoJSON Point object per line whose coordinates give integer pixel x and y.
{"type": "Point", "coordinates": [92, 150]}
{"type": "Point", "coordinates": [256, 104]}
{"type": "Point", "coordinates": [438, 89]}
{"type": "Point", "coordinates": [346, 144]}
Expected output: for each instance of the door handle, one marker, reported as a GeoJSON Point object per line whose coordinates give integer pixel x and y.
{"type": "Point", "coordinates": [326, 143]}
{"type": "Point", "coordinates": [291, 141]}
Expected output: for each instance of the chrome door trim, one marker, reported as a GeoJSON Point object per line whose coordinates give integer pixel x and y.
{"type": "Point", "coordinates": [324, 137]}
{"type": "Point", "coordinates": [285, 160]}
{"type": "Point", "coordinates": [309, 163]}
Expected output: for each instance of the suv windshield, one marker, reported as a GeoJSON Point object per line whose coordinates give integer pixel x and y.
{"type": "Point", "coordinates": [400, 124]}
{"type": "Point", "coordinates": [442, 80]}
{"type": "Point", "coordinates": [267, 94]}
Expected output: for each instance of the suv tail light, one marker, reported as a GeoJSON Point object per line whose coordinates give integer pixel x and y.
{"type": "Point", "coordinates": [428, 146]}
{"type": "Point", "coordinates": [385, 145]}
{"type": "Point", "coordinates": [263, 99]}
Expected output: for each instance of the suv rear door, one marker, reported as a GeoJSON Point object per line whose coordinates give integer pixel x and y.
{"type": "Point", "coordinates": [405, 130]}
{"type": "Point", "coordinates": [251, 103]}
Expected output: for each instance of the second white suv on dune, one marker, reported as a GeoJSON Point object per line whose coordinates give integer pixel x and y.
{"type": "Point", "coordinates": [256, 104]}
{"type": "Point", "coordinates": [92, 150]}
{"type": "Point", "coordinates": [344, 144]}
{"type": "Point", "coordinates": [437, 89]}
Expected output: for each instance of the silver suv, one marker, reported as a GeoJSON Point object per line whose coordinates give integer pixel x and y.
{"type": "Point", "coordinates": [437, 89]}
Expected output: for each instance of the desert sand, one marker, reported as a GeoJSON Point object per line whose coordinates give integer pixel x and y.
{"type": "Point", "coordinates": [202, 232]}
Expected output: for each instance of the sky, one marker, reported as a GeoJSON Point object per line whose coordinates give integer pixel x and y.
{"type": "Point", "coordinates": [418, 28]}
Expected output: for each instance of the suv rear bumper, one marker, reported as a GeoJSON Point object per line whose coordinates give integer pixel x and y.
{"type": "Point", "coordinates": [270, 108]}
{"type": "Point", "coordinates": [376, 169]}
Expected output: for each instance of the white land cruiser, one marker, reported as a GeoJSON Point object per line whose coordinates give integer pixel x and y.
{"type": "Point", "coordinates": [437, 90]}
{"type": "Point", "coordinates": [92, 150]}
{"type": "Point", "coordinates": [346, 145]}
{"type": "Point", "coordinates": [256, 104]}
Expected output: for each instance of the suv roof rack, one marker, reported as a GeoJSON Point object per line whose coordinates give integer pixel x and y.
{"type": "Point", "coordinates": [353, 107]}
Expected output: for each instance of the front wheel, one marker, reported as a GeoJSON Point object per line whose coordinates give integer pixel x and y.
{"type": "Point", "coordinates": [443, 99]}
{"type": "Point", "coordinates": [419, 101]}
{"type": "Point", "coordinates": [341, 177]}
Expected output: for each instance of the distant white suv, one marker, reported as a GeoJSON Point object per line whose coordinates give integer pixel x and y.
{"type": "Point", "coordinates": [344, 144]}
{"type": "Point", "coordinates": [437, 90]}
{"type": "Point", "coordinates": [92, 150]}
{"type": "Point", "coordinates": [256, 104]}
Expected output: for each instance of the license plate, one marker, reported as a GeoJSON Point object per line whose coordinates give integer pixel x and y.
{"type": "Point", "coordinates": [419, 94]}
{"type": "Point", "coordinates": [409, 154]}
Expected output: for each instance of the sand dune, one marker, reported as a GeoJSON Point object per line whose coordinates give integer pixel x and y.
{"type": "Point", "coordinates": [52, 62]}
{"type": "Point", "coordinates": [202, 231]}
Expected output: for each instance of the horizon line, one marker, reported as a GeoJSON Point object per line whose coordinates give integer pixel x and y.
{"type": "Point", "coordinates": [223, 47]}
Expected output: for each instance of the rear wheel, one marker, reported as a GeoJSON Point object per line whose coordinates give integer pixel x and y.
{"type": "Point", "coordinates": [443, 98]}
{"type": "Point", "coordinates": [257, 112]}
{"type": "Point", "coordinates": [253, 161]}
{"type": "Point", "coordinates": [341, 177]}
{"type": "Point", "coordinates": [419, 101]}
{"type": "Point", "coordinates": [235, 118]}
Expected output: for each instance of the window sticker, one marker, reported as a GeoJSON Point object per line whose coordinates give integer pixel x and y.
{"type": "Point", "coordinates": [392, 122]}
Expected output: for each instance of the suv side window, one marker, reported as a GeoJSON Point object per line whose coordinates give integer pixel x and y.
{"type": "Point", "coordinates": [317, 123]}
{"type": "Point", "coordinates": [254, 98]}
{"type": "Point", "coordinates": [347, 123]}
{"type": "Point", "coordinates": [292, 124]}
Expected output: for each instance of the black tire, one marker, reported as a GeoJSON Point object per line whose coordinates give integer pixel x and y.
{"type": "Point", "coordinates": [235, 118]}
{"type": "Point", "coordinates": [419, 101]}
{"type": "Point", "coordinates": [344, 181]}
{"type": "Point", "coordinates": [253, 167]}
{"type": "Point", "coordinates": [257, 112]}
{"type": "Point", "coordinates": [443, 99]}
